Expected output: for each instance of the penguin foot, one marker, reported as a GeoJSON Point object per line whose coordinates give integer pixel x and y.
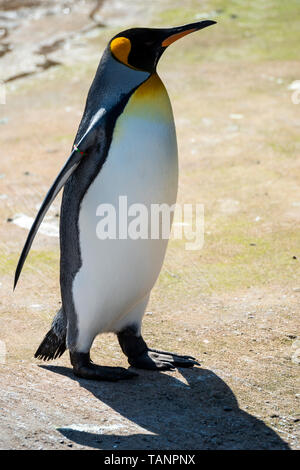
{"type": "Point", "coordinates": [153, 360]}
{"type": "Point", "coordinates": [176, 359]}
{"type": "Point", "coordinates": [83, 367]}
{"type": "Point", "coordinates": [142, 357]}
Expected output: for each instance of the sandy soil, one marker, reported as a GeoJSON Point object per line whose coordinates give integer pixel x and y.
{"type": "Point", "coordinates": [234, 304]}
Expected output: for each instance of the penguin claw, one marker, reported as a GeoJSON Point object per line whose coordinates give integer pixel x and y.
{"type": "Point", "coordinates": [158, 361]}
{"type": "Point", "coordinates": [149, 362]}
{"type": "Point", "coordinates": [179, 361]}
{"type": "Point", "coordinates": [175, 359]}
{"type": "Point", "coordinates": [172, 354]}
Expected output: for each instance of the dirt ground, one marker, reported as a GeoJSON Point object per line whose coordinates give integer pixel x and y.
{"type": "Point", "coordinates": [234, 304]}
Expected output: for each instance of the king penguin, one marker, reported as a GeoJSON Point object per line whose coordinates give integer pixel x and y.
{"type": "Point", "coordinates": [125, 146]}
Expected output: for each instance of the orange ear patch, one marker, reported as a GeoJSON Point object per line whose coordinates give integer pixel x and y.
{"type": "Point", "coordinates": [120, 47]}
{"type": "Point", "coordinates": [174, 37]}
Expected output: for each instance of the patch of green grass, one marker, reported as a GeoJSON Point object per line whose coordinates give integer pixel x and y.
{"type": "Point", "coordinates": [253, 30]}
{"type": "Point", "coordinates": [42, 260]}
{"type": "Point", "coordinates": [183, 14]}
{"type": "Point", "coordinates": [236, 255]}
{"type": "Point", "coordinates": [267, 262]}
{"type": "Point", "coordinates": [63, 138]}
{"type": "Point", "coordinates": [286, 145]}
{"type": "Point", "coordinates": [243, 259]}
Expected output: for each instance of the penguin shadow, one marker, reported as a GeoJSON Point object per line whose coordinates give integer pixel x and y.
{"type": "Point", "coordinates": [198, 412]}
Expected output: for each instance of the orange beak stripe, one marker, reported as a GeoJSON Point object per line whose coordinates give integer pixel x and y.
{"type": "Point", "coordinates": [174, 37]}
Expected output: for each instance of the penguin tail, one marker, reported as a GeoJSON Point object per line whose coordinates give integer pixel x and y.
{"type": "Point", "coordinates": [54, 343]}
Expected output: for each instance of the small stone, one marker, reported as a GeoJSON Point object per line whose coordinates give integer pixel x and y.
{"type": "Point", "coordinates": [296, 357]}
{"type": "Point", "coordinates": [294, 257]}
{"type": "Point", "coordinates": [236, 116]}
{"type": "Point", "coordinates": [295, 85]}
{"type": "Point", "coordinates": [9, 219]}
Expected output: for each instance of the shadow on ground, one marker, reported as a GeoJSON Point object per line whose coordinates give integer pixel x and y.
{"type": "Point", "coordinates": [202, 414]}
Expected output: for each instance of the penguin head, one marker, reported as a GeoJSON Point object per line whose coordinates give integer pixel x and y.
{"type": "Point", "coordinates": [141, 48]}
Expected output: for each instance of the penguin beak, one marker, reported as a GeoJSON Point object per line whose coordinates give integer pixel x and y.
{"type": "Point", "coordinates": [179, 32]}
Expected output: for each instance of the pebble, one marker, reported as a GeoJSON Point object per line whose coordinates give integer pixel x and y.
{"type": "Point", "coordinates": [236, 116]}
{"type": "Point", "coordinates": [207, 121]}
{"type": "Point", "coordinates": [296, 358]}
{"type": "Point", "coordinates": [295, 85]}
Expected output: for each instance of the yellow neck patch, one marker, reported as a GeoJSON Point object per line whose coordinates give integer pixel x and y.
{"type": "Point", "coordinates": [120, 47]}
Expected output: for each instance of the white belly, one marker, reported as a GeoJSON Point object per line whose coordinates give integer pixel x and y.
{"type": "Point", "coordinates": [117, 274]}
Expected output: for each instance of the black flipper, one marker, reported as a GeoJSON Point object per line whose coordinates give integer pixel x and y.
{"type": "Point", "coordinates": [79, 152]}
